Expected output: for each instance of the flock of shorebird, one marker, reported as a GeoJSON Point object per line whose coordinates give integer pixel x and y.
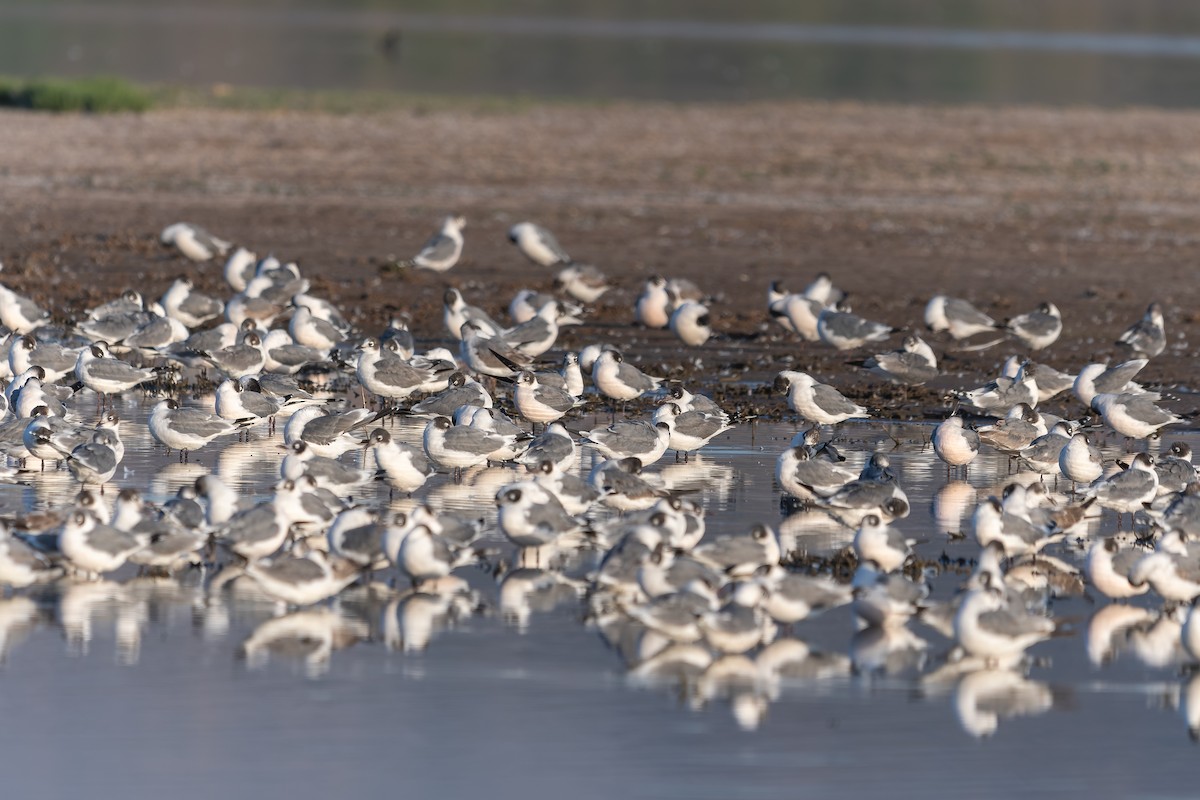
{"type": "Point", "coordinates": [655, 571]}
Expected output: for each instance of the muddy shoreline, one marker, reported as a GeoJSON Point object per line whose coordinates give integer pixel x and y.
{"type": "Point", "coordinates": [1095, 210]}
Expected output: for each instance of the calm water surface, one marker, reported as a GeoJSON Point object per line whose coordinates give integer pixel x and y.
{"type": "Point", "coordinates": [1099, 52]}
{"type": "Point", "coordinates": [193, 687]}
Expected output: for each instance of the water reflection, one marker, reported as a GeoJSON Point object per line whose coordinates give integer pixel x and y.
{"type": "Point", "coordinates": [736, 660]}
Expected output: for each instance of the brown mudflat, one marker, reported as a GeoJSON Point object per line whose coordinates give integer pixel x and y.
{"type": "Point", "coordinates": [1098, 211]}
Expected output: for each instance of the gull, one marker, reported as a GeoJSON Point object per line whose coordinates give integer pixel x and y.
{"type": "Point", "coordinates": [823, 291]}
{"type": "Point", "coordinates": [837, 327]}
{"type": "Point", "coordinates": [329, 473]}
{"type": "Point", "coordinates": [386, 375]}
{"type": "Point", "coordinates": [1171, 571]}
{"type": "Point", "coordinates": [531, 515]}
{"type": "Point", "coordinates": [443, 249]}
{"type": "Point", "coordinates": [1147, 336]}
{"type": "Point", "coordinates": [912, 365]}
{"type": "Point", "coordinates": [1003, 393]}
{"type": "Point", "coordinates": [494, 421]}
{"type": "Point", "coordinates": [94, 547]}
{"type": "Point", "coordinates": [538, 334]}
{"type": "Point", "coordinates": [677, 615]}
{"type": "Point", "coordinates": [876, 541]}
{"type": "Point", "coordinates": [116, 319]}
{"type": "Point", "coordinates": [1175, 470]}
{"type": "Point", "coordinates": [575, 494]}
{"type": "Point", "coordinates": [1015, 431]}
{"type": "Point", "coordinates": [193, 241]}
{"type": "Point", "coordinates": [96, 369]}
{"type": "Point", "coordinates": [328, 434]}
{"type": "Point", "coordinates": [191, 308]}
{"type": "Point", "coordinates": [858, 498]}
{"type": "Point", "coordinates": [309, 330]}
{"type": "Point", "coordinates": [459, 531]}
{"type": "Point", "coordinates": [95, 462]}
{"type": "Point", "coordinates": [1015, 533]}
{"type": "Point", "coordinates": [21, 564]}
{"type": "Point", "coordinates": [817, 402]}
{"type": "Point", "coordinates": [242, 359]}
{"type": "Point", "coordinates": [792, 597]}
{"type": "Point", "coordinates": [240, 268]}
{"type": "Point", "coordinates": [1079, 461]}
{"type": "Point", "coordinates": [538, 403]}
{"type": "Point", "coordinates": [187, 429]}
{"type": "Point", "coordinates": [687, 401]}
{"type": "Point", "coordinates": [525, 304]}
{"type": "Point", "coordinates": [460, 391]}
{"type": "Point", "coordinates": [644, 441]}
{"type": "Point", "coordinates": [537, 244]}
{"type": "Point", "coordinates": [619, 482]}
{"type": "Point", "coordinates": [1129, 490]}
{"type": "Point", "coordinates": [807, 477]}
{"type": "Point", "coordinates": [1050, 382]}
{"type": "Point", "coordinates": [801, 314]}
{"type": "Point", "coordinates": [1094, 379]}
{"type": "Point", "coordinates": [690, 430]}
{"type": "Point", "coordinates": [989, 627]}
{"type": "Point", "coordinates": [406, 467]}
{"type": "Point", "coordinates": [583, 282]}
{"type": "Point", "coordinates": [1037, 329]}
{"type": "Point", "coordinates": [742, 555]}
{"type": "Point", "coordinates": [34, 396]}
{"type": "Point", "coordinates": [777, 300]}
{"type": "Point", "coordinates": [158, 332]}
{"type": "Point", "coordinates": [1133, 415]}
{"type": "Point", "coordinates": [957, 317]}
{"type": "Point", "coordinates": [56, 360]}
{"type": "Point", "coordinates": [554, 444]}
{"type": "Point", "coordinates": [427, 556]}
{"type": "Point", "coordinates": [1108, 567]}
{"type": "Point", "coordinates": [955, 444]}
{"type": "Point", "coordinates": [618, 380]}
{"type": "Point", "coordinates": [667, 571]}
{"type": "Point", "coordinates": [569, 376]}
{"type": "Point", "coordinates": [691, 324]}
{"type": "Point", "coordinates": [357, 535]}
{"type": "Point", "coordinates": [303, 580]}
{"type": "Point", "coordinates": [886, 599]}
{"type": "Point", "coordinates": [256, 532]}
{"type": "Point", "coordinates": [456, 311]}
{"type": "Point", "coordinates": [460, 446]}
{"type": "Point", "coordinates": [242, 400]}
{"type": "Point", "coordinates": [50, 437]}
{"type": "Point", "coordinates": [1183, 513]}
{"type": "Point", "coordinates": [486, 355]}
{"type": "Point", "coordinates": [740, 624]}
{"type": "Point", "coordinates": [1043, 452]}
{"type": "Point", "coordinates": [20, 314]}
{"type": "Point", "coordinates": [653, 308]}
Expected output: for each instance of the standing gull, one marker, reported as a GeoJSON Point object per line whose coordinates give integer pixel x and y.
{"type": "Point", "coordinates": [957, 317]}
{"type": "Point", "coordinates": [538, 244]}
{"type": "Point", "coordinates": [817, 402]}
{"type": "Point", "coordinates": [1039, 328]}
{"type": "Point", "coordinates": [840, 328]}
{"type": "Point", "coordinates": [1147, 336]}
{"type": "Point", "coordinates": [443, 249]}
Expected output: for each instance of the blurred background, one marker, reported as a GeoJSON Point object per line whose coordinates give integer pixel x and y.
{"type": "Point", "coordinates": [1091, 52]}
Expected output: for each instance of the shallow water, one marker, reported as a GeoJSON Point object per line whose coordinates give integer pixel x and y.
{"type": "Point", "coordinates": [1057, 52]}
{"type": "Point", "coordinates": [146, 686]}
